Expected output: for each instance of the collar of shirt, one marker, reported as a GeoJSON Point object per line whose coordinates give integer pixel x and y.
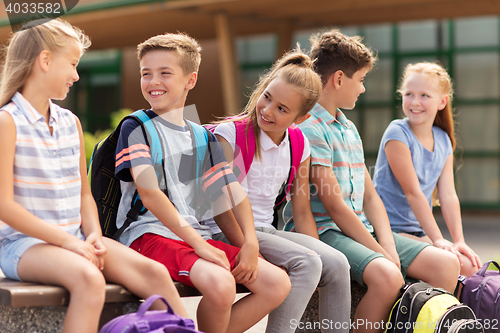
{"type": "Point", "coordinates": [267, 143]}
{"type": "Point", "coordinates": [328, 118]}
{"type": "Point", "coordinates": [31, 113]}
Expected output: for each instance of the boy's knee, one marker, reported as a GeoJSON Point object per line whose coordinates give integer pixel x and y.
{"type": "Point", "coordinates": [282, 284]}
{"type": "Point", "coordinates": [385, 279]}
{"type": "Point", "coordinates": [277, 285]}
{"type": "Point", "coordinates": [157, 271]}
{"type": "Point", "coordinates": [220, 290]}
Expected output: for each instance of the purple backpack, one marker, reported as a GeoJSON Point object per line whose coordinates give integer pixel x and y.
{"type": "Point", "coordinates": [143, 321]}
{"type": "Point", "coordinates": [481, 292]}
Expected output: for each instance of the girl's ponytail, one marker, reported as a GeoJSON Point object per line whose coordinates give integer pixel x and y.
{"type": "Point", "coordinates": [296, 69]}
{"type": "Point", "coordinates": [296, 58]}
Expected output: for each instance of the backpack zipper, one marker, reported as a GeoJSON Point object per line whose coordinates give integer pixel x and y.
{"type": "Point", "coordinates": [427, 291]}
{"type": "Point", "coordinates": [479, 294]}
{"type": "Point", "coordinates": [400, 302]}
{"type": "Point", "coordinates": [496, 313]}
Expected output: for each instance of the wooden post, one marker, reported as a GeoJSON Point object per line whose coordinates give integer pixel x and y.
{"type": "Point", "coordinates": [285, 33]}
{"type": "Point", "coordinates": [229, 69]}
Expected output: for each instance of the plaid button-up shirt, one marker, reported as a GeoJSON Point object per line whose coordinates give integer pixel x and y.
{"type": "Point", "coordinates": [335, 143]}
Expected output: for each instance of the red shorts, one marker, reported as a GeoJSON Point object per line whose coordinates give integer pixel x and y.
{"type": "Point", "coordinates": [176, 255]}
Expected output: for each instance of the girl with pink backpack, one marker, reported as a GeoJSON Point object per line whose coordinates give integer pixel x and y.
{"type": "Point", "coordinates": [270, 157]}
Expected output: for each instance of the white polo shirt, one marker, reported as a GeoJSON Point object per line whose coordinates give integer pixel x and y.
{"type": "Point", "coordinates": [263, 182]}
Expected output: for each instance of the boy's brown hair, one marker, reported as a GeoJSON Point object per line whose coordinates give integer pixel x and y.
{"type": "Point", "coordinates": [187, 48]}
{"type": "Point", "coordinates": [332, 51]}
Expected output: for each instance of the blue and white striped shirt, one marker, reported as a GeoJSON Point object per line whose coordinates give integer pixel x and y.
{"type": "Point", "coordinates": [46, 177]}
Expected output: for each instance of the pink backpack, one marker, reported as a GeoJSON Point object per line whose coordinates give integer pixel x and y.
{"type": "Point", "coordinates": [245, 151]}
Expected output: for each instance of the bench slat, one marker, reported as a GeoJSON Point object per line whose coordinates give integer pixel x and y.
{"type": "Point", "coordinates": [17, 294]}
{"type": "Point", "coordinates": [22, 294]}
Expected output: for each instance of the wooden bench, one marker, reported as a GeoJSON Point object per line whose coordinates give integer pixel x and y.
{"type": "Point", "coordinates": [31, 307]}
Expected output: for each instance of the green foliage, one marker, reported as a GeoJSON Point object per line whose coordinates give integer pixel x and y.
{"type": "Point", "coordinates": [92, 139]}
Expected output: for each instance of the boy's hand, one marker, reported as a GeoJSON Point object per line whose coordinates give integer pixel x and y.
{"type": "Point", "coordinates": [246, 264]}
{"type": "Point", "coordinates": [212, 254]}
{"type": "Point", "coordinates": [391, 254]}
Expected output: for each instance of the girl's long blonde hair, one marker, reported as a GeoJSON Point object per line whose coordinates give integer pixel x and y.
{"type": "Point", "coordinates": [294, 68]}
{"type": "Point", "coordinates": [444, 118]}
{"type": "Point", "coordinates": [25, 46]}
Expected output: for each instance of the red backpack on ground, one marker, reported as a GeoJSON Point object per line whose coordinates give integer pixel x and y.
{"type": "Point", "coordinates": [245, 151]}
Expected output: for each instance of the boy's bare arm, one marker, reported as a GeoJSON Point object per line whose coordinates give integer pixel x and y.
{"type": "Point", "coordinates": [242, 211]}
{"type": "Point", "coordinates": [323, 178]}
{"type": "Point", "coordinates": [234, 194]}
{"type": "Point", "coordinates": [301, 204]}
{"type": "Point", "coordinates": [230, 228]}
{"type": "Point", "coordinates": [375, 212]}
{"type": "Point", "coordinates": [158, 203]}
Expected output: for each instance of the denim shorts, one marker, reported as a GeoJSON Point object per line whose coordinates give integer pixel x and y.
{"type": "Point", "coordinates": [11, 251]}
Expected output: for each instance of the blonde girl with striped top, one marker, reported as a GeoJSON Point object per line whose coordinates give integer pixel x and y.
{"type": "Point", "coordinates": [49, 228]}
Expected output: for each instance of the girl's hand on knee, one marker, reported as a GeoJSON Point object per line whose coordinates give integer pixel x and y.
{"type": "Point", "coordinates": [99, 249]}
{"type": "Point", "coordinates": [448, 246]}
{"type": "Point", "coordinates": [464, 249]}
{"type": "Point", "coordinates": [82, 248]}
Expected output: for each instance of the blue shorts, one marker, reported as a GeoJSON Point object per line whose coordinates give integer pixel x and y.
{"type": "Point", "coordinates": [11, 252]}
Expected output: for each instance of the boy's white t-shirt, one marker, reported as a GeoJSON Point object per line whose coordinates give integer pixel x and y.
{"type": "Point", "coordinates": [263, 182]}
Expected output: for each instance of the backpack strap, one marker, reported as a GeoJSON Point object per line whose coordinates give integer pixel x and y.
{"type": "Point", "coordinates": [153, 140]}
{"type": "Point", "coordinates": [201, 144]}
{"type": "Point", "coordinates": [296, 143]}
{"type": "Point", "coordinates": [462, 279]}
{"type": "Point", "coordinates": [296, 139]}
{"type": "Point", "coordinates": [245, 143]}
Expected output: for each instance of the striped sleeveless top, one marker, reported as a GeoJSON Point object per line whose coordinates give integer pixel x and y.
{"type": "Point", "coordinates": [47, 178]}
